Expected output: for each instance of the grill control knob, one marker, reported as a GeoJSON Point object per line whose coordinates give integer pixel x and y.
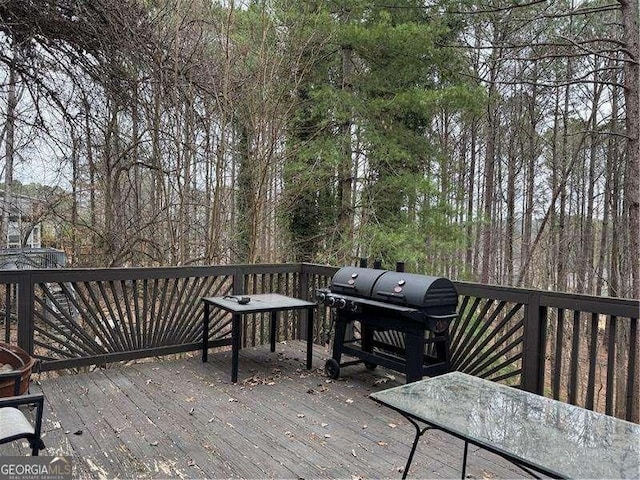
{"type": "Point", "coordinates": [341, 303]}
{"type": "Point", "coordinates": [321, 297]}
{"type": "Point", "coordinates": [331, 301]}
{"type": "Point", "coordinates": [353, 307]}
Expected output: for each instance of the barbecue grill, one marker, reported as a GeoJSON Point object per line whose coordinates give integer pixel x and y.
{"type": "Point", "coordinates": [404, 320]}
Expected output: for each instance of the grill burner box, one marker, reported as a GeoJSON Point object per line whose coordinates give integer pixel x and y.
{"type": "Point", "coordinates": [404, 320]}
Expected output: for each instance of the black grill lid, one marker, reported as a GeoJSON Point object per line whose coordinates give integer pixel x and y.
{"type": "Point", "coordinates": [355, 281]}
{"type": "Point", "coordinates": [420, 291]}
{"type": "Point", "coordinates": [399, 288]}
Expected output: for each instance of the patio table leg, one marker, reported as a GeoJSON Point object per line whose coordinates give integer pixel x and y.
{"type": "Point", "coordinates": [235, 346]}
{"type": "Point", "coordinates": [205, 333]}
{"type": "Point", "coordinates": [419, 433]}
{"type": "Point", "coordinates": [464, 460]}
{"type": "Point", "coordinates": [309, 338]}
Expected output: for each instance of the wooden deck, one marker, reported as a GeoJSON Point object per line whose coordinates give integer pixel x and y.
{"type": "Point", "coordinates": [181, 418]}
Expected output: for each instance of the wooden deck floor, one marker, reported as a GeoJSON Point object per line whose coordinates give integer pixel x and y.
{"type": "Point", "coordinates": [184, 419]}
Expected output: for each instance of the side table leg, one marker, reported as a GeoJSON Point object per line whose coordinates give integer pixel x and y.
{"type": "Point", "coordinates": [205, 333]}
{"type": "Point", "coordinates": [235, 346]}
{"type": "Point", "coordinates": [309, 338]}
{"type": "Point", "coordinates": [274, 320]}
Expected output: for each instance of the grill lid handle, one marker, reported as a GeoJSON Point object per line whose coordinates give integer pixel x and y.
{"type": "Point", "coordinates": [449, 316]}
{"type": "Point", "coordinates": [344, 285]}
{"type": "Point", "coordinates": [391, 294]}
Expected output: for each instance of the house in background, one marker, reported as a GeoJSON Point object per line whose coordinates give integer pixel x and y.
{"type": "Point", "coordinates": [21, 235]}
{"type": "Point", "coordinates": [20, 219]}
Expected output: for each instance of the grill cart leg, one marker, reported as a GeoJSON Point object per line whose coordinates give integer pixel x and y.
{"type": "Point", "coordinates": [367, 343]}
{"type": "Point", "coordinates": [332, 366]}
{"type": "Point", "coordinates": [414, 345]}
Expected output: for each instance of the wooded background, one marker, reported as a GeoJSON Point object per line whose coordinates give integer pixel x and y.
{"type": "Point", "coordinates": [493, 141]}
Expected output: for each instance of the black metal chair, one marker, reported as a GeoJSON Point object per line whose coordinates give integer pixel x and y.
{"type": "Point", "coordinates": [14, 424]}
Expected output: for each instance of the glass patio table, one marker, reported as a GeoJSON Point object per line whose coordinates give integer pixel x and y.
{"type": "Point", "coordinates": [536, 433]}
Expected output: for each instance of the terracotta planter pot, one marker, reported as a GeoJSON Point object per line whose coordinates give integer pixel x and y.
{"type": "Point", "coordinates": [21, 362]}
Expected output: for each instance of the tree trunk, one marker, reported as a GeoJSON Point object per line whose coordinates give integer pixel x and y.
{"type": "Point", "coordinates": [12, 103]}
{"type": "Point", "coordinates": [489, 173]}
{"type": "Point", "coordinates": [630, 12]}
{"type": "Point", "coordinates": [471, 184]}
{"type": "Point", "coordinates": [345, 171]}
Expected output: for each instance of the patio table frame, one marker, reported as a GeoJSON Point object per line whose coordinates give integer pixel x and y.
{"type": "Point", "coordinates": [535, 433]}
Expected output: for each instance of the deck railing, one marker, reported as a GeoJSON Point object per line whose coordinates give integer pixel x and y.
{"type": "Point", "coordinates": [576, 348]}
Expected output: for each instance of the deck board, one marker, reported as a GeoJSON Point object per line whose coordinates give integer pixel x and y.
{"type": "Point", "coordinates": [180, 418]}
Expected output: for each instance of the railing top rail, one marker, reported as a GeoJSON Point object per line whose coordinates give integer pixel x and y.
{"type": "Point", "coordinates": [150, 273]}
{"type": "Point", "coordinates": [621, 307]}
{"type": "Point", "coordinates": [585, 303]}
{"type": "Point", "coordinates": [318, 269]}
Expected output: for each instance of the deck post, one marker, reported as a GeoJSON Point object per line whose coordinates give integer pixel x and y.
{"type": "Point", "coordinates": [303, 293]}
{"type": "Point", "coordinates": [25, 311]}
{"type": "Point", "coordinates": [238, 280]}
{"type": "Point", "coordinates": [533, 344]}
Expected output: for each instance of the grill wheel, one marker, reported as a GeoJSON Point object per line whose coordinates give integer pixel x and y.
{"type": "Point", "coordinates": [332, 369]}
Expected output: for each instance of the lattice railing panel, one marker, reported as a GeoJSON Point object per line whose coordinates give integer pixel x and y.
{"type": "Point", "coordinates": [487, 339]}
{"type": "Point", "coordinates": [94, 318]}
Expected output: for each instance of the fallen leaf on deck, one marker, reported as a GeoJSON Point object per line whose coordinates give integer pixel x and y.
{"type": "Point", "coordinates": [78, 432]}
{"type": "Point", "coordinates": [148, 381]}
{"type": "Point", "coordinates": [311, 390]}
{"type": "Point", "coordinates": [190, 399]}
{"type": "Point", "coordinates": [348, 400]}
{"type": "Point", "coordinates": [191, 463]}
{"type": "Point", "coordinates": [393, 425]}
{"type": "Point", "coordinates": [301, 415]}
{"type": "Point", "coordinates": [324, 425]}
{"type": "Point", "coordinates": [191, 411]}
{"type": "Point", "coordinates": [232, 400]}
{"type": "Point", "coordinates": [211, 419]}
{"type": "Point", "coordinates": [326, 435]}
{"type": "Point", "coordinates": [382, 444]}
{"type": "Point", "coordinates": [353, 452]}
{"type": "Point", "coordinates": [364, 426]}
{"type": "Point", "coordinates": [154, 444]}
